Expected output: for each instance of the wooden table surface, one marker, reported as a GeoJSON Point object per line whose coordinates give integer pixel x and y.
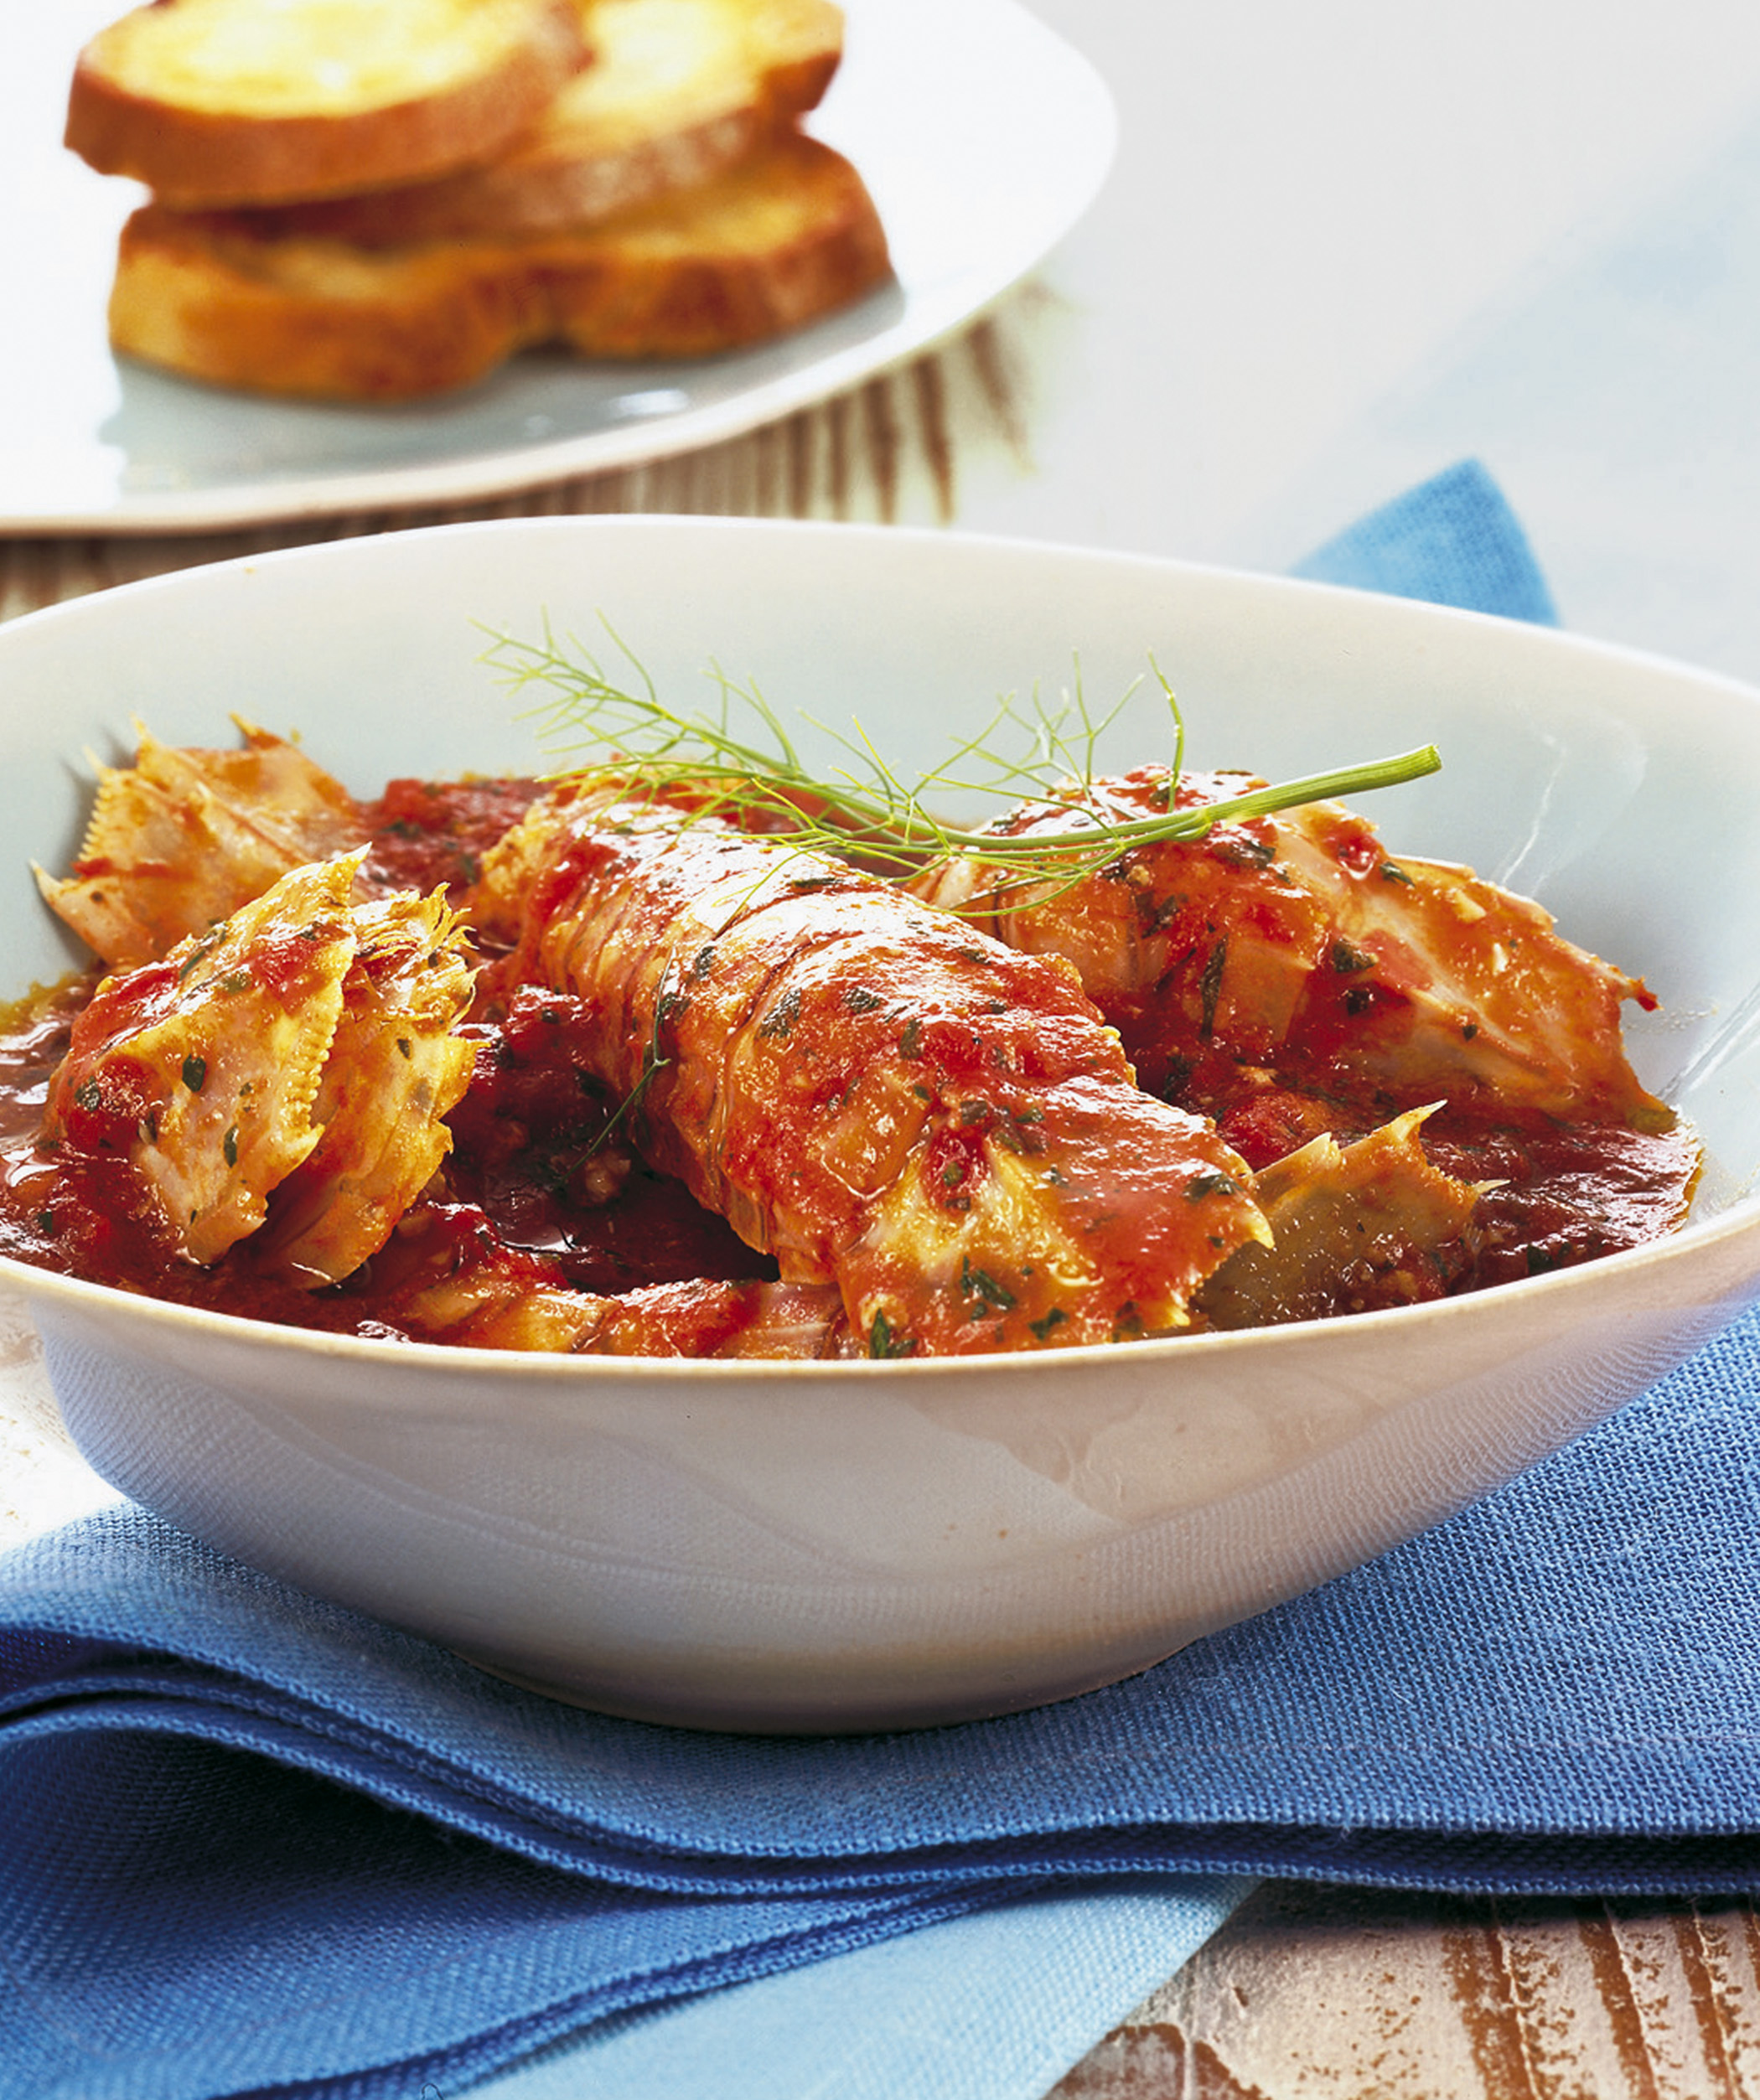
{"type": "Point", "coordinates": [1166, 382]}
{"type": "Point", "coordinates": [1325, 1994]}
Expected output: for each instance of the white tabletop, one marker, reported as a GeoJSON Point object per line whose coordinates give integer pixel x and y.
{"type": "Point", "coordinates": [1345, 244]}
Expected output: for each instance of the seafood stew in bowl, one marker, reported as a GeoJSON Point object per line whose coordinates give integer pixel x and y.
{"type": "Point", "coordinates": [734, 1257]}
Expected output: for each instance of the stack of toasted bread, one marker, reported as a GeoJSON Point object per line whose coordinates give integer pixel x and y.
{"type": "Point", "coordinates": [377, 200]}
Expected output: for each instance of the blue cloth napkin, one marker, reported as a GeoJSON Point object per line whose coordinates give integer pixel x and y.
{"type": "Point", "coordinates": [1453, 540]}
{"type": "Point", "coordinates": [250, 1841]}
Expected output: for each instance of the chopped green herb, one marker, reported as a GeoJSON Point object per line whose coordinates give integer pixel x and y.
{"type": "Point", "coordinates": [1179, 1073]}
{"type": "Point", "coordinates": [195, 1074]}
{"type": "Point", "coordinates": [1242, 850]}
{"type": "Point", "coordinates": [1202, 1185]}
{"type": "Point", "coordinates": [978, 1283]}
{"type": "Point", "coordinates": [1209, 986]}
{"type": "Point", "coordinates": [199, 954]}
{"type": "Point", "coordinates": [783, 1015]}
{"type": "Point", "coordinates": [882, 1342]}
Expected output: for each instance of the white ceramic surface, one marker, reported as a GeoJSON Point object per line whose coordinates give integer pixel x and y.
{"type": "Point", "coordinates": [842, 1546]}
{"type": "Point", "coordinates": [971, 194]}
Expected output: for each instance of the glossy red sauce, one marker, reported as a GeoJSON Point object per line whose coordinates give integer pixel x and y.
{"type": "Point", "coordinates": [1560, 1193]}
{"type": "Point", "coordinates": [422, 833]}
{"type": "Point", "coordinates": [542, 1165]}
{"type": "Point", "coordinates": [537, 1150]}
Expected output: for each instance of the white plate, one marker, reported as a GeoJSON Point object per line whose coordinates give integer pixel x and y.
{"type": "Point", "coordinates": [981, 136]}
{"type": "Point", "coordinates": [857, 1544]}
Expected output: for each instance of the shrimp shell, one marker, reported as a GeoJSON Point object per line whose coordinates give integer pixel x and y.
{"type": "Point", "coordinates": [182, 838]}
{"type": "Point", "coordinates": [870, 1090]}
{"type": "Point", "coordinates": [291, 1066]}
{"type": "Point", "coordinates": [1296, 942]}
{"type": "Point", "coordinates": [394, 1069]}
{"type": "Point", "coordinates": [204, 1068]}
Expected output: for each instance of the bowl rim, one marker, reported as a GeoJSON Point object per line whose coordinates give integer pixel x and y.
{"type": "Point", "coordinates": [453, 1362]}
{"type": "Point", "coordinates": [99, 606]}
{"type": "Point", "coordinates": [1737, 1218]}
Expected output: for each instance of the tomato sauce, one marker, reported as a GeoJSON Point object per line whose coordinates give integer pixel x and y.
{"type": "Point", "coordinates": [1553, 1194]}
{"type": "Point", "coordinates": [537, 1149]}
{"type": "Point", "coordinates": [544, 1168]}
{"type": "Point", "coordinates": [422, 833]}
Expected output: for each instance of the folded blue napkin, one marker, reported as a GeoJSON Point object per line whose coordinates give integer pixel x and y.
{"type": "Point", "coordinates": [1453, 540]}
{"type": "Point", "coordinates": [252, 1840]}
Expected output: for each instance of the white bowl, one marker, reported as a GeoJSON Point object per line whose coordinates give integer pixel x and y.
{"type": "Point", "coordinates": [865, 1545]}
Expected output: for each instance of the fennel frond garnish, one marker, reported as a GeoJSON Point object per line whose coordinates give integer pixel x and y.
{"type": "Point", "coordinates": [738, 760]}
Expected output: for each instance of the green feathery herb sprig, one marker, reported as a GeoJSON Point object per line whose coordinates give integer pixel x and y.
{"type": "Point", "coordinates": [859, 809]}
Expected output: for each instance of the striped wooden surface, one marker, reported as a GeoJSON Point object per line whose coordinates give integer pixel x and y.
{"type": "Point", "coordinates": [1323, 1993]}
{"type": "Point", "coordinates": [885, 453]}
{"type": "Point", "coordinates": [1308, 1994]}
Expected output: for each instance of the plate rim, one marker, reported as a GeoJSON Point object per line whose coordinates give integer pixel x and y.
{"type": "Point", "coordinates": [510, 472]}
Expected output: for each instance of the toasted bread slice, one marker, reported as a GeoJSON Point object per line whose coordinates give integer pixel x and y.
{"type": "Point", "coordinates": [223, 102]}
{"type": "Point", "coordinates": [679, 91]}
{"type": "Point", "coordinates": [232, 298]}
